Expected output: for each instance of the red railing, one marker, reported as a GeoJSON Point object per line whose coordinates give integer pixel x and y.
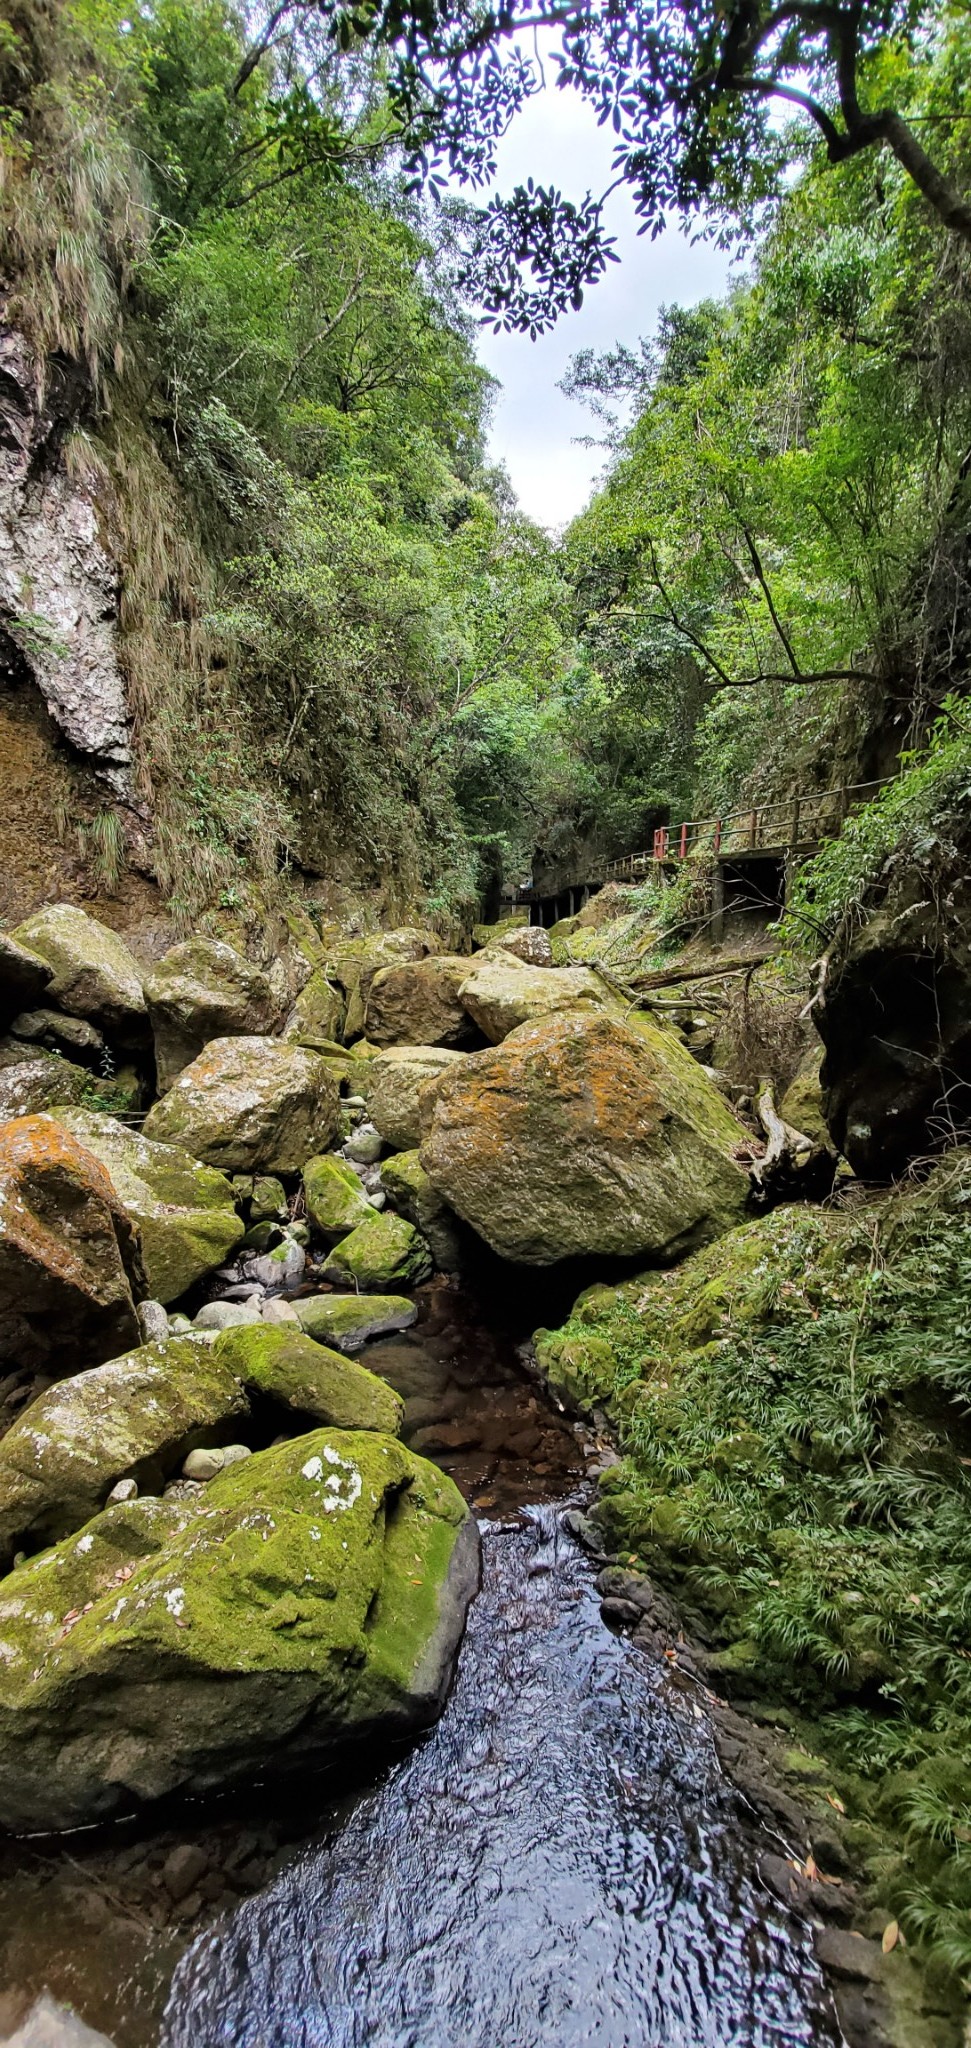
{"type": "Point", "coordinates": [801, 821]}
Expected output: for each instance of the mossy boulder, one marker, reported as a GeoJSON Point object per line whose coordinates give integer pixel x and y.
{"type": "Point", "coordinates": [383, 1252]}
{"type": "Point", "coordinates": [281, 1364]}
{"type": "Point", "coordinates": [410, 1191]}
{"type": "Point", "coordinates": [185, 1211]}
{"type": "Point", "coordinates": [250, 1104]}
{"type": "Point", "coordinates": [393, 1084]}
{"type": "Point", "coordinates": [70, 1258]}
{"type": "Point", "coordinates": [501, 992]}
{"type": "Point", "coordinates": [353, 964]}
{"type": "Point", "coordinates": [317, 1017]}
{"type": "Point", "coordinates": [578, 1135]}
{"type": "Point", "coordinates": [419, 1004]}
{"type": "Point", "coordinates": [134, 1418]}
{"type": "Point", "coordinates": [348, 1322]}
{"type": "Point", "coordinates": [32, 1080]}
{"type": "Point", "coordinates": [200, 990]}
{"type": "Point", "coordinates": [312, 1597]}
{"type": "Point", "coordinates": [335, 1196]}
{"type": "Point", "coordinates": [490, 934]}
{"type": "Point", "coordinates": [93, 973]}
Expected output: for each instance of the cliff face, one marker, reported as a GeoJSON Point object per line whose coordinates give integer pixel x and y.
{"type": "Point", "coordinates": [59, 581]}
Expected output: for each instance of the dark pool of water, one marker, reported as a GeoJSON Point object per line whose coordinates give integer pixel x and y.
{"type": "Point", "coordinates": [559, 1862]}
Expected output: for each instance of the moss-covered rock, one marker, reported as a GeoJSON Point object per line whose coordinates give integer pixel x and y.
{"type": "Point", "coordinates": [802, 1103]}
{"type": "Point", "coordinates": [185, 1211]}
{"type": "Point", "coordinates": [419, 1004]}
{"type": "Point", "coordinates": [490, 934]}
{"type": "Point", "coordinates": [313, 1596]}
{"type": "Point", "coordinates": [93, 973]}
{"type": "Point", "coordinates": [383, 1252]}
{"type": "Point", "coordinates": [32, 1080]}
{"type": "Point", "coordinates": [279, 1363]}
{"type": "Point", "coordinates": [70, 1260]}
{"type": "Point", "coordinates": [501, 992]}
{"type": "Point", "coordinates": [410, 1191]}
{"type": "Point", "coordinates": [200, 990]}
{"type": "Point", "coordinates": [335, 1196]}
{"type": "Point", "coordinates": [317, 1015]}
{"type": "Point", "coordinates": [529, 942]}
{"type": "Point", "coordinates": [133, 1418]}
{"type": "Point", "coordinates": [392, 1086]}
{"type": "Point", "coordinates": [349, 1322]}
{"type": "Point", "coordinates": [250, 1103]}
{"type": "Point", "coordinates": [353, 964]}
{"type": "Point", "coordinates": [579, 1135]}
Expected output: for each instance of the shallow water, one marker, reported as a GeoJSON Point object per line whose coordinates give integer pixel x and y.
{"type": "Point", "coordinates": [559, 1862]}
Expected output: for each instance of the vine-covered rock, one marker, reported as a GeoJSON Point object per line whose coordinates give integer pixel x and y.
{"type": "Point", "coordinates": [70, 1262]}
{"type": "Point", "coordinates": [200, 990]}
{"type": "Point", "coordinates": [313, 1595]}
{"type": "Point", "coordinates": [93, 973]}
{"type": "Point", "coordinates": [185, 1211]}
{"type": "Point", "coordinates": [580, 1135]}
{"type": "Point", "coordinates": [250, 1103]}
{"type": "Point", "coordinates": [383, 1252]}
{"type": "Point", "coordinates": [393, 1084]}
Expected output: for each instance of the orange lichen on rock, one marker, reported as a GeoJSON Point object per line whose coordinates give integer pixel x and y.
{"type": "Point", "coordinates": [70, 1260]}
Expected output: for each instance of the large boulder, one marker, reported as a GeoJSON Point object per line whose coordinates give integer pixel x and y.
{"type": "Point", "coordinates": [419, 1004]}
{"type": "Point", "coordinates": [186, 1212]}
{"type": "Point", "coordinates": [335, 1196]}
{"type": "Point", "coordinates": [93, 973]}
{"type": "Point", "coordinates": [501, 992]}
{"type": "Point", "coordinates": [311, 1597]}
{"type": "Point", "coordinates": [200, 990]}
{"type": "Point", "coordinates": [250, 1103]}
{"type": "Point", "coordinates": [410, 1191]}
{"type": "Point", "coordinates": [580, 1135]}
{"type": "Point", "coordinates": [70, 1263]}
{"type": "Point", "coordinates": [24, 977]}
{"type": "Point", "coordinates": [527, 942]}
{"type": "Point", "coordinates": [393, 1083]}
{"type": "Point", "coordinates": [382, 1253]}
{"type": "Point", "coordinates": [32, 1080]}
{"type": "Point", "coordinates": [317, 1017]}
{"type": "Point", "coordinates": [353, 964]}
{"type": "Point", "coordinates": [349, 1321]}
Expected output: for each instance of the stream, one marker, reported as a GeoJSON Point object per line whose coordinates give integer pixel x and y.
{"type": "Point", "coordinates": [561, 1860]}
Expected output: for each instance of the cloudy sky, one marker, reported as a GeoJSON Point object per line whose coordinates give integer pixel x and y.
{"type": "Point", "coordinates": [556, 141]}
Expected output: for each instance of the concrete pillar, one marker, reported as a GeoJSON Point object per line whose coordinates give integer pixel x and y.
{"type": "Point", "coordinates": [718, 903]}
{"type": "Point", "coordinates": [572, 910]}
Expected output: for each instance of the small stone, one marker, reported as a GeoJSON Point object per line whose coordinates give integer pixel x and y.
{"type": "Point", "coordinates": [378, 1200]}
{"type": "Point", "coordinates": [225, 1315]}
{"type": "Point", "coordinates": [182, 1869]}
{"type": "Point", "coordinates": [124, 1489]}
{"type": "Point", "coordinates": [243, 1290]}
{"type": "Point", "coordinates": [619, 1613]}
{"type": "Point", "coordinates": [152, 1321]}
{"type": "Point", "coordinates": [364, 1146]}
{"type": "Point", "coordinates": [19, 1559]}
{"type": "Point", "coordinates": [182, 1489]}
{"type": "Point", "coordinates": [178, 1325]}
{"type": "Point", "coordinates": [203, 1464]}
{"type": "Point", "coordinates": [278, 1311]}
{"type": "Point", "coordinates": [234, 1454]}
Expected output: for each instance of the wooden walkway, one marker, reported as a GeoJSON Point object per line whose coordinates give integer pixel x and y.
{"type": "Point", "coordinates": [798, 824]}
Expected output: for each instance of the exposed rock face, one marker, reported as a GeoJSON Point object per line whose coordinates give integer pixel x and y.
{"type": "Point", "coordinates": [335, 1196]}
{"type": "Point", "coordinates": [349, 1321]}
{"type": "Point", "coordinates": [383, 1252]}
{"type": "Point", "coordinates": [24, 977]}
{"type": "Point", "coordinates": [393, 1084]}
{"type": "Point", "coordinates": [94, 974]}
{"type": "Point", "coordinates": [202, 990]}
{"type": "Point", "coordinates": [250, 1103]}
{"type": "Point", "coordinates": [418, 1004]}
{"type": "Point", "coordinates": [31, 1080]}
{"type": "Point", "coordinates": [70, 1265]}
{"type": "Point", "coordinates": [185, 1211]}
{"type": "Point", "coordinates": [579, 1135]}
{"type": "Point", "coordinates": [317, 1016]}
{"type": "Point", "coordinates": [355, 962]}
{"type": "Point", "coordinates": [528, 942]}
{"type": "Point", "coordinates": [408, 1187]}
{"type": "Point", "coordinates": [59, 585]}
{"type": "Point", "coordinates": [501, 993]}
{"type": "Point", "coordinates": [312, 1596]}
{"type": "Point", "coordinates": [895, 1020]}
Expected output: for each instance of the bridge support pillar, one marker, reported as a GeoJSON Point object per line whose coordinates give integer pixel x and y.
{"type": "Point", "coordinates": [718, 904]}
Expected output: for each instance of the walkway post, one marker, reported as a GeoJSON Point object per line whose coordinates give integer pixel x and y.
{"type": "Point", "coordinates": [718, 903]}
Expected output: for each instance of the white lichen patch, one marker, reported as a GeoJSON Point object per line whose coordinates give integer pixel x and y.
{"type": "Point", "coordinates": [175, 1601]}
{"type": "Point", "coordinates": [342, 1488]}
{"type": "Point", "coordinates": [84, 1544]}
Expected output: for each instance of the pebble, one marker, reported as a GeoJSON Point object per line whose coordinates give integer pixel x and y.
{"type": "Point", "coordinates": [226, 1315]}
{"type": "Point", "coordinates": [277, 1311]}
{"type": "Point", "coordinates": [378, 1199]}
{"type": "Point", "coordinates": [124, 1489]}
{"type": "Point", "coordinates": [203, 1464]}
{"type": "Point", "coordinates": [182, 1489]}
{"type": "Point", "coordinates": [153, 1323]}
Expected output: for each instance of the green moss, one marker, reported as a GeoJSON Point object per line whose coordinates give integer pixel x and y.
{"type": "Point", "coordinates": [334, 1194]}
{"type": "Point", "coordinates": [348, 1322]}
{"type": "Point", "coordinates": [306, 1377]}
{"type": "Point", "coordinates": [185, 1211]}
{"type": "Point", "coordinates": [382, 1252]}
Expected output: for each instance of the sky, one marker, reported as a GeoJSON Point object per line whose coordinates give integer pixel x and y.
{"type": "Point", "coordinates": [556, 141]}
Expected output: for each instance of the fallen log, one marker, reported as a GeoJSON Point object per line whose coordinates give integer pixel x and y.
{"type": "Point", "coordinates": [792, 1167]}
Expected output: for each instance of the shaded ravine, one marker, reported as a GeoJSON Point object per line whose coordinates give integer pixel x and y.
{"type": "Point", "coordinates": [559, 1862]}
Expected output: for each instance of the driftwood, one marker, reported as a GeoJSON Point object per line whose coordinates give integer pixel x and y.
{"type": "Point", "coordinates": [792, 1165]}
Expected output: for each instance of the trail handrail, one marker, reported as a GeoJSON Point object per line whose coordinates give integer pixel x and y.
{"type": "Point", "coordinates": [800, 821]}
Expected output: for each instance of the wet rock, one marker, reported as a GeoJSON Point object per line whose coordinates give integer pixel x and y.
{"type": "Point", "coordinates": [49, 2025]}
{"type": "Point", "coordinates": [501, 992]}
{"type": "Point", "coordinates": [184, 1210]}
{"type": "Point", "coordinates": [578, 1135]}
{"type": "Point", "coordinates": [200, 990]}
{"type": "Point", "coordinates": [614, 1583]}
{"type": "Point", "coordinates": [314, 1597]}
{"type": "Point", "coordinates": [849, 1954]}
{"type": "Point", "coordinates": [620, 1614]}
{"type": "Point", "coordinates": [93, 973]}
{"type": "Point", "coordinates": [394, 1083]}
{"type": "Point", "coordinates": [70, 1263]}
{"type": "Point", "coordinates": [349, 1323]}
{"type": "Point", "coordinates": [250, 1103]}
{"type": "Point", "coordinates": [419, 1004]}
{"type": "Point", "coordinates": [335, 1199]}
{"type": "Point", "coordinates": [381, 1254]}
{"type": "Point", "coordinates": [183, 1868]}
